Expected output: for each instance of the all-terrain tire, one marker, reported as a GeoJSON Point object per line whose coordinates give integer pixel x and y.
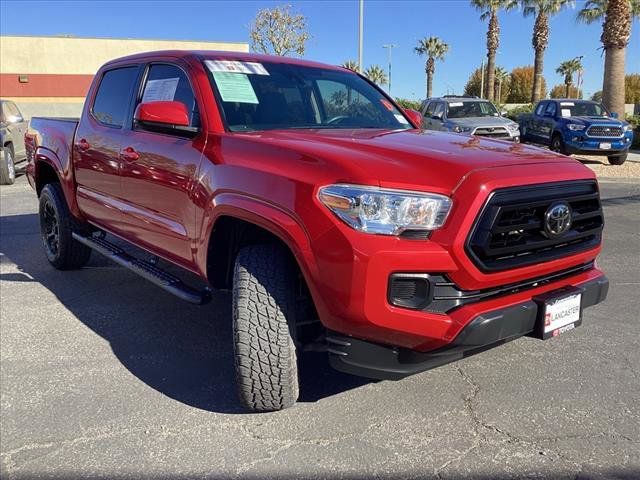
{"type": "Point", "coordinates": [617, 159]}
{"type": "Point", "coordinates": [264, 305]}
{"type": "Point", "coordinates": [7, 167]}
{"type": "Point", "coordinates": [56, 227]}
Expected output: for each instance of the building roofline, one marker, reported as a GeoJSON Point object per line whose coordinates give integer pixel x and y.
{"type": "Point", "coordinates": [74, 37]}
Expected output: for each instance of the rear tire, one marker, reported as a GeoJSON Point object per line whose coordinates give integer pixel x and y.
{"type": "Point", "coordinates": [56, 228]}
{"type": "Point", "coordinates": [7, 167]}
{"type": "Point", "coordinates": [617, 159]}
{"type": "Point", "coordinates": [264, 307]}
{"type": "Point", "coordinates": [557, 144]}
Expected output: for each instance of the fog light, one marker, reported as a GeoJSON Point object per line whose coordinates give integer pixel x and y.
{"type": "Point", "coordinates": [409, 290]}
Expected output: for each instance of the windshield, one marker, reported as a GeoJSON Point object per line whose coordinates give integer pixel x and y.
{"type": "Point", "coordinates": [471, 109]}
{"type": "Point", "coordinates": [582, 109]}
{"type": "Point", "coordinates": [264, 96]}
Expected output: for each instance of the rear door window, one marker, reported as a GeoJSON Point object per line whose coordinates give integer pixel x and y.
{"type": "Point", "coordinates": [111, 105]}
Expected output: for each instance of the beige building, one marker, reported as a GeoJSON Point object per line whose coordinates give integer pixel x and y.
{"type": "Point", "coordinates": [51, 75]}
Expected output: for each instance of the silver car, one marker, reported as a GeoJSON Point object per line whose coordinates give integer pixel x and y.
{"type": "Point", "coordinates": [468, 115]}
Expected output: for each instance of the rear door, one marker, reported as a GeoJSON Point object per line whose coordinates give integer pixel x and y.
{"type": "Point", "coordinates": [158, 173]}
{"type": "Point", "coordinates": [97, 146]}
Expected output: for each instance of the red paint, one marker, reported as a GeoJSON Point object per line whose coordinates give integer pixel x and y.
{"type": "Point", "coordinates": [44, 85]}
{"type": "Point", "coordinates": [171, 113]}
{"type": "Point", "coordinates": [169, 199]}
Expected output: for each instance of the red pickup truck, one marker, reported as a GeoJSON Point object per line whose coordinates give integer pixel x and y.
{"type": "Point", "coordinates": [336, 221]}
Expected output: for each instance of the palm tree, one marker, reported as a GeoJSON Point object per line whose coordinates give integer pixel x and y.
{"type": "Point", "coordinates": [541, 10]}
{"type": "Point", "coordinates": [351, 65]}
{"type": "Point", "coordinates": [568, 68]}
{"type": "Point", "coordinates": [434, 49]}
{"type": "Point", "coordinates": [501, 79]}
{"type": "Point", "coordinates": [376, 74]}
{"type": "Point", "coordinates": [616, 31]}
{"type": "Point", "coordinates": [489, 10]}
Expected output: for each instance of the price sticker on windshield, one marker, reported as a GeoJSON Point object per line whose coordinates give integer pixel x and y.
{"type": "Point", "coordinates": [236, 66]}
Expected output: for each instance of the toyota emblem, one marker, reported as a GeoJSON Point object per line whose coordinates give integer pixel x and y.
{"type": "Point", "coordinates": [557, 219]}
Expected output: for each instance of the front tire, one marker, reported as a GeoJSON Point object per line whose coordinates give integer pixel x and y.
{"type": "Point", "coordinates": [56, 228]}
{"type": "Point", "coordinates": [7, 167]}
{"type": "Point", "coordinates": [617, 159]}
{"type": "Point", "coordinates": [264, 306]}
{"type": "Point", "coordinates": [557, 144]}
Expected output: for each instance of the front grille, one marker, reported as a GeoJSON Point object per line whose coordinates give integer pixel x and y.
{"type": "Point", "coordinates": [602, 131]}
{"type": "Point", "coordinates": [510, 230]}
{"type": "Point", "coordinates": [495, 132]}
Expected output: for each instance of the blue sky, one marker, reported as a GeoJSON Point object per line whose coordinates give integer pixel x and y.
{"type": "Point", "coordinates": [333, 26]}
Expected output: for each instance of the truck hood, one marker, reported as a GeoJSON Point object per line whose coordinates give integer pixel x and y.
{"type": "Point", "coordinates": [475, 122]}
{"type": "Point", "coordinates": [413, 159]}
{"type": "Point", "coordinates": [612, 122]}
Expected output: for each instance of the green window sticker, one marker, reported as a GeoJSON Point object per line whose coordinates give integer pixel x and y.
{"type": "Point", "coordinates": [235, 87]}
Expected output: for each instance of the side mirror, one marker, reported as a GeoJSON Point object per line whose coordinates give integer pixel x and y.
{"type": "Point", "coordinates": [15, 119]}
{"type": "Point", "coordinates": [504, 113]}
{"type": "Point", "coordinates": [414, 116]}
{"type": "Point", "coordinates": [614, 115]}
{"type": "Point", "coordinates": [165, 115]}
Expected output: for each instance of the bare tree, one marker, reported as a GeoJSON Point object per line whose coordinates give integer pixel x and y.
{"type": "Point", "coordinates": [277, 31]}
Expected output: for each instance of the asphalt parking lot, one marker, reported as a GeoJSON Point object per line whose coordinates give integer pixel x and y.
{"type": "Point", "coordinates": [104, 376]}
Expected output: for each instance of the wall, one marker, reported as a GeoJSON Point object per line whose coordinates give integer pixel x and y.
{"type": "Point", "coordinates": [60, 69]}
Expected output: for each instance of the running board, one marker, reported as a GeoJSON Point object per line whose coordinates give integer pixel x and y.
{"type": "Point", "coordinates": [146, 270]}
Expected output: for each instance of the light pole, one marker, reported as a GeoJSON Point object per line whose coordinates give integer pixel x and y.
{"type": "Point", "coordinates": [389, 46]}
{"type": "Point", "coordinates": [360, 28]}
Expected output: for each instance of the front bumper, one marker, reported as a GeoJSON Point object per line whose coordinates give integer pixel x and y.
{"type": "Point", "coordinates": [485, 331]}
{"type": "Point", "coordinates": [580, 144]}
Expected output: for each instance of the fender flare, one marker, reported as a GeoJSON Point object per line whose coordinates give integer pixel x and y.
{"type": "Point", "coordinates": [65, 176]}
{"type": "Point", "coordinates": [280, 222]}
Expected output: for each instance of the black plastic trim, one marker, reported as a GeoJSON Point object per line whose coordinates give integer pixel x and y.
{"type": "Point", "coordinates": [146, 270]}
{"type": "Point", "coordinates": [372, 360]}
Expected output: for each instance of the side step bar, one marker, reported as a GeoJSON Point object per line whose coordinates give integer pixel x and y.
{"type": "Point", "coordinates": [146, 270]}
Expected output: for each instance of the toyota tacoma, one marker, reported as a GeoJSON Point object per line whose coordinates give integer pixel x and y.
{"type": "Point", "coordinates": [337, 223]}
{"type": "Point", "coordinates": [578, 126]}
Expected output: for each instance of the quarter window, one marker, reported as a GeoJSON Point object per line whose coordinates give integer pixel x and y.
{"type": "Point", "coordinates": [111, 104]}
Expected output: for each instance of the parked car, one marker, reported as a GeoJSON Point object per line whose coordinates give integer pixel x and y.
{"type": "Point", "coordinates": [337, 223]}
{"type": "Point", "coordinates": [12, 129]}
{"type": "Point", "coordinates": [578, 126]}
{"type": "Point", "coordinates": [468, 115]}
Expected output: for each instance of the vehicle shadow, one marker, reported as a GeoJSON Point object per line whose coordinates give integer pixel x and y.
{"type": "Point", "coordinates": [181, 350]}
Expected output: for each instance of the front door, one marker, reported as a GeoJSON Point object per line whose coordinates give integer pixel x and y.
{"type": "Point", "coordinates": [159, 170]}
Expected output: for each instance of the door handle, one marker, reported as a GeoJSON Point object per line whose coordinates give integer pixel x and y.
{"type": "Point", "coordinates": [83, 145]}
{"type": "Point", "coordinates": [130, 154]}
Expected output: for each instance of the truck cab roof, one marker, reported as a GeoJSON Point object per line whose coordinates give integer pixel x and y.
{"type": "Point", "coordinates": [221, 55]}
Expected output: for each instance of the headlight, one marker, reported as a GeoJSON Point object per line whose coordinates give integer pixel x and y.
{"type": "Point", "coordinates": [576, 126]}
{"type": "Point", "coordinates": [460, 129]}
{"type": "Point", "coordinates": [513, 127]}
{"type": "Point", "coordinates": [385, 211]}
